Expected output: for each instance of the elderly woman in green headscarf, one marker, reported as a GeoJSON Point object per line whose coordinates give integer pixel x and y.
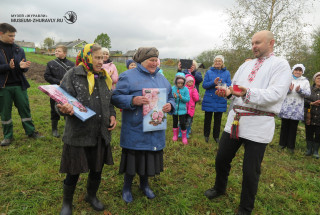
{"type": "Point", "coordinates": [87, 144]}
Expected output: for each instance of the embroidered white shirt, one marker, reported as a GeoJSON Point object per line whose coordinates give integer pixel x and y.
{"type": "Point", "coordinates": [266, 92]}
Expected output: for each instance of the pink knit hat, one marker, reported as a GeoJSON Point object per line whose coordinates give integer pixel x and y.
{"type": "Point", "coordinates": [189, 78]}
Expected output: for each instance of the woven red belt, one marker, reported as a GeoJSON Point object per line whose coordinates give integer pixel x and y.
{"type": "Point", "coordinates": [252, 112]}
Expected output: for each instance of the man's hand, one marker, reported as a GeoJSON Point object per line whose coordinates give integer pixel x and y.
{"type": "Point", "coordinates": [11, 64]}
{"type": "Point", "coordinates": [166, 108]}
{"type": "Point", "coordinates": [113, 123]}
{"type": "Point", "coordinates": [140, 100]}
{"type": "Point", "coordinates": [237, 93]}
{"type": "Point", "coordinates": [66, 109]}
{"type": "Point", "coordinates": [222, 92]}
{"type": "Point", "coordinates": [25, 64]}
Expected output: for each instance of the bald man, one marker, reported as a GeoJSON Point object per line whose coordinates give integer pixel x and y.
{"type": "Point", "coordinates": [263, 84]}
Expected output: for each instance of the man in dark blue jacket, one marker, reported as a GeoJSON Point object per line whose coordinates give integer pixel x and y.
{"type": "Point", "coordinates": [13, 84]}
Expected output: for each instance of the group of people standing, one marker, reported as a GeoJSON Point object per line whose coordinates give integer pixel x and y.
{"type": "Point", "coordinates": [257, 91]}
{"type": "Point", "coordinates": [301, 104]}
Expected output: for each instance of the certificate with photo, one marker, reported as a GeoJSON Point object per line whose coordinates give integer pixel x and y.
{"type": "Point", "coordinates": [62, 97]}
{"type": "Point", "coordinates": [153, 117]}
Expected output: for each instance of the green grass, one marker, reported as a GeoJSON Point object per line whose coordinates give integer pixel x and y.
{"type": "Point", "coordinates": [30, 182]}
{"type": "Point", "coordinates": [42, 59]}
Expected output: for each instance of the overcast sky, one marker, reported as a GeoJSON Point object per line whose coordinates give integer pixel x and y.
{"type": "Point", "coordinates": [178, 28]}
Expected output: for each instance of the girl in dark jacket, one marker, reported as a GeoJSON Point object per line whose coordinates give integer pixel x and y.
{"type": "Point", "coordinates": [87, 144]}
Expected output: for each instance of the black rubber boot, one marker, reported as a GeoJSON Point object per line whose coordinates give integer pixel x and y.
{"type": "Point", "coordinates": [126, 191]}
{"type": "Point", "coordinates": [144, 186]}
{"type": "Point", "coordinates": [54, 124]}
{"type": "Point", "coordinates": [315, 150]}
{"type": "Point", "coordinates": [309, 148]}
{"type": "Point", "coordinates": [68, 192]}
{"type": "Point", "coordinates": [91, 198]}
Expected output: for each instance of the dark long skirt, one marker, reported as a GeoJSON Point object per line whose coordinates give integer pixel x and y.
{"type": "Point", "coordinates": [148, 163]}
{"type": "Point", "coordinates": [76, 160]}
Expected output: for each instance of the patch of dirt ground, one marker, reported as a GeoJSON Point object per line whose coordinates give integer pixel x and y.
{"type": "Point", "coordinates": [36, 72]}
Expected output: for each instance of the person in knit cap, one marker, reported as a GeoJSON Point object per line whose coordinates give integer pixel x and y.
{"type": "Point", "coordinates": [212, 103]}
{"type": "Point", "coordinates": [292, 110]}
{"type": "Point", "coordinates": [312, 117]}
{"type": "Point", "coordinates": [181, 96]}
{"type": "Point", "coordinates": [142, 152]}
{"type": "Point", "coordinates": [191, 105]}
{"type": "Point", "coordinates": [131, 64]}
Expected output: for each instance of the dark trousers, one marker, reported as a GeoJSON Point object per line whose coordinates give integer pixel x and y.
{"type": "Point", "coordinates": [253, 156]}
{"type": "Point", "coordinates": [54, 114]}
{"type": "Point", "coordinates": [313, 133]}
{"type": "Point", "coordinates": [216, 124]}
{"type": "Point", "coordinates": [288, 133]}
{"type": "Point", "coordinates": [182, 121]}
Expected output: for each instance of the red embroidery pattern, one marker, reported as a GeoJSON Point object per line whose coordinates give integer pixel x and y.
{"type": "Point", "coordinates": [252, 112]}
{"type": "Point", "coordinates": [247, 97]}
{"type": "Point", "coordinates": [257, 66]}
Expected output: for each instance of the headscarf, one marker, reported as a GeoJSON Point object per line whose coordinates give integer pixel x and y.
{"type": "Point", "coordinates": [299, 66]}
{"type": "Point", "coordinates": [315, 75]}
{"type": "Point", "coordinates": [145, 53]}
{"type": "Point", "coordinates": [84, 59]}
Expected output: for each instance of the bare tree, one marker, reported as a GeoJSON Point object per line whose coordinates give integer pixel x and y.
{"type": "Point", "coordinates": [282, 17]}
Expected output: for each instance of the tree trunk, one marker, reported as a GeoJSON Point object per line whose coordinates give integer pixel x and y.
{"type": "Point", "coordinates": [271, 15]}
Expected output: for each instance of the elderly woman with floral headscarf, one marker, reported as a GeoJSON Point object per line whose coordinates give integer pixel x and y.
{"type": "Point", "coordinates": [292, 109]}
{"type": "Point", "coordinates": [142, 152]}
{"type": "Point", "coordinates": [87, 144]}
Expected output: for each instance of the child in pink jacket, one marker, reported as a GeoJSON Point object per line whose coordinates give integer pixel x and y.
{"type": "Point", "coordinates": [110, 67]}
{"type": "Point", "coordinates": [191, 105]}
